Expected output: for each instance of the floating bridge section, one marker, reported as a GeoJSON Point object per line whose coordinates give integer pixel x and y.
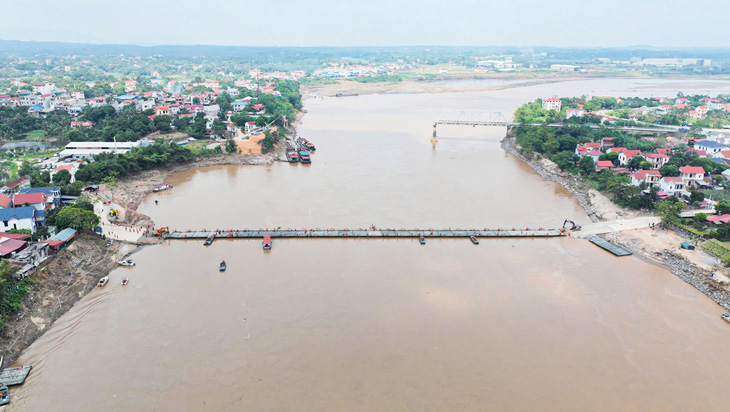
{"type": "Point", "coordinates": [365, 233]}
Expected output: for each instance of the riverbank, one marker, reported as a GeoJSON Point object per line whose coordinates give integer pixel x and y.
{"type": "Point", "coordinates": [63, 279]}
{"type": "Point", "coordinates": [660, 247]}
{"type": "Point", "coordinates": [73, 272]}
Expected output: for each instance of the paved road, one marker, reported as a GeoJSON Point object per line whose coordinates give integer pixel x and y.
{"type": "Point", "coordinates": [616, 226]}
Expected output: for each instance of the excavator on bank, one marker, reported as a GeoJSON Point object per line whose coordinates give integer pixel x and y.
{"type": "Point", "coordinates": [161, 231]}
{"type": "Point", "coordinates": [572, 224]}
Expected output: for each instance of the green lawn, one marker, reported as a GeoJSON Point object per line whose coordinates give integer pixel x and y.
{"type": "Point", "coordinates": [36, 135]}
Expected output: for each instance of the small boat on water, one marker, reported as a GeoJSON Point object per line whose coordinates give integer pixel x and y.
{"type": "Point", "coordinates": [292, 156]}
{"type": "Point", "coordinates": [103, 281]}
{"type": "Point", "coordinates": [161, 187]}
{"type": "Point", "coordinates": [267, 241]}
{"type": "Point", "coordinates": [304, 156]}
{"type": "Point", "coordinates": [209, 240]}
{"type": "Point", "coordinates": [422, 239]}
{"type": "Point", "coordinates": [125, 281]}
{"type": "Point", "coordinates": [127, 262]}
{"type": "Point", "coordinates": [222, 266]}
{"type": "Point", "coordinates": [474, 239]}
{"type": "Point", "coordinates": [726, 316]}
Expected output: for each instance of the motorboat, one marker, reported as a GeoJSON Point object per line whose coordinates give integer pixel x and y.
{"type": "Point", "coordinates": [222, 266]}
{"type": "Point", "coordinates": [209, 240]}
{"type": "Point", "coordinates": [125, 281]}
{"type": "Point", "coordinates": [474, 239]}
{"type": "Point", "coordinates": [422, 239]}
{"type": "Point", "coordinates": [267, 241]}
{"type": "Point", "coordinates": [103, 281]}
{"type": "Point", "coordinates": [127, 262]}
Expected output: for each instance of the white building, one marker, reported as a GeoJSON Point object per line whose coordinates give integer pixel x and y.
{"type": "Point", "coordinates": [17, 218]}
{"type": "Point", "coordinates": [565, 68]}
{"type": "Point", "coordinates": [673, 186]}
{"type": "Point", "coordinates": [78, 150]}
{"type": "Point", "coordinates": [552, 103]}
{"type": "Point", "coordinates": [692, 174]}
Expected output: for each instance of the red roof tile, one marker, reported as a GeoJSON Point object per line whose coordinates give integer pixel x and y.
{"type": "Point", "coordinates": [29, 198]}
{"type": "Point", "coordinates": [692, 169]}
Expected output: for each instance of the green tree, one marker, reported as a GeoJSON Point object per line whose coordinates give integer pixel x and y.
{"type": "Point", "coordinates": [668, 210]}
{"type": "Point", "coordinates": [231, 146]}
{"type": "Point", "coordinates": [723, 208]}
{"type": "Point", "coordinates": [565, 160]}
{"type": "Point", "coordinates": [62, 177]}
{"type": "Point", "coordinates": [218, 128]}
{"type": "Point", "coordinates": [669, 170]}
{"type": "Point", "coordinates": [586, 165]}
{"type": "Point", "coordinates": [645, 165]}
{"type": "Point", "coordinates": [635, 162]}
{"type": "Point", "coordinates": [77, 218]}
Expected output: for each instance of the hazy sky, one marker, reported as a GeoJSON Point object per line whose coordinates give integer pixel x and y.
{"type": "Point", "coordinates": [697, 23]}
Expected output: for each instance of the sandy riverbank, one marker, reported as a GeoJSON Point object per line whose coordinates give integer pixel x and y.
{"type": "Point", "coordinates": [656, 246]}
{"type": "Point", "coordinates": [62, 280]}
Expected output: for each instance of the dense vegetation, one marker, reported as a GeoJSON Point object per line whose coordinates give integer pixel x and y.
{"type": "Point", "coordinates": [141, 158]}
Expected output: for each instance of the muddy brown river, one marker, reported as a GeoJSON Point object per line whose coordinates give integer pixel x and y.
{"type": "Point", "coordinates": [376, 325]}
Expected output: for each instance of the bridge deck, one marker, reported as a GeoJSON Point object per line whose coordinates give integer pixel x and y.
{"type": "Point", "coordinates": [363, 233]}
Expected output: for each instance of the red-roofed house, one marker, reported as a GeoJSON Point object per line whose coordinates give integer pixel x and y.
{"type": "Point", "coordinates": [5, 201]}
{"type": "Point", "coordinates": [581, 150]}
{"type": "Point", "coordinates": [700, 153]}
{"type": "Point", "coordinates": [626, 155]}
{"type": "Point", "coordinates": [574, 113]}
{"type": "Point", "coordinates": [16, 184]}
{"type": "Point", "coordinates": [663, 151]}
{"type": "Point", "coordinates": [657, 160]}
{"type": "Point", "coordinates": [722, 154]}
{"type": "Point", "coordinates": [37, 200]}
{"type": "Point", "coordinates": [651, 177]}
{"type": "Point", "coordinates": [607, 142]}
{"type": "Point", "coordinates": [674, 186]}
{"type": "Point", "coordinates": [691, 175]}
{"type": "Point", "coordinates": [9, 246]}
{"type": "Point", "coordinates": [604, 164]}
{"type": "Point", "coordinates": [76, 124]}
{"type": "Point", "coordinates": [162, 110]}
{"type": "Point", "coordinates": [718, 220]}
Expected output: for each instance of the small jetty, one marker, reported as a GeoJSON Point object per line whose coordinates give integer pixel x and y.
{"type": "Point", "coordinates": [363, 233]}
{"type": "Point", "coordinates": [14, 376]}
{"type": "Point", "coordinates": [611, 247]}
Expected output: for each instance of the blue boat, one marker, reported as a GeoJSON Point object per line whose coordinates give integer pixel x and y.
{"type": "Point", "coordinates": [304, 157]}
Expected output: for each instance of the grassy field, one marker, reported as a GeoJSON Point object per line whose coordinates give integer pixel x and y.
{"type": "Point", "coordinates": [36, 135]}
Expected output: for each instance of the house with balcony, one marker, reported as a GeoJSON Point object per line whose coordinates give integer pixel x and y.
{"type": "Point", "coordinates": [650, 177]}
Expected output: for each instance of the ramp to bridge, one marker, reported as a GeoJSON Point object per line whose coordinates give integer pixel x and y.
{"type": "Point", "coordinates": [611, 247]}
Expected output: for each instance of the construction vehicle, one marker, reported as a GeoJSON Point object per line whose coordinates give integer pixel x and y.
{"type": "Point", "coordinates": [114, 213]}
{"type": "Point", "coordinates": [573, 226]}
{"type": "Point", "coordinates": [161, 231]}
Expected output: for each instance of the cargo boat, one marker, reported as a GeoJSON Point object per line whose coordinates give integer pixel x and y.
{"type": "Point", "coordinates": [304, 156]}
{"type": "Point", "coordinates": [292, 156]}
{"type": "Point", "coordinates": [307, 144]}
